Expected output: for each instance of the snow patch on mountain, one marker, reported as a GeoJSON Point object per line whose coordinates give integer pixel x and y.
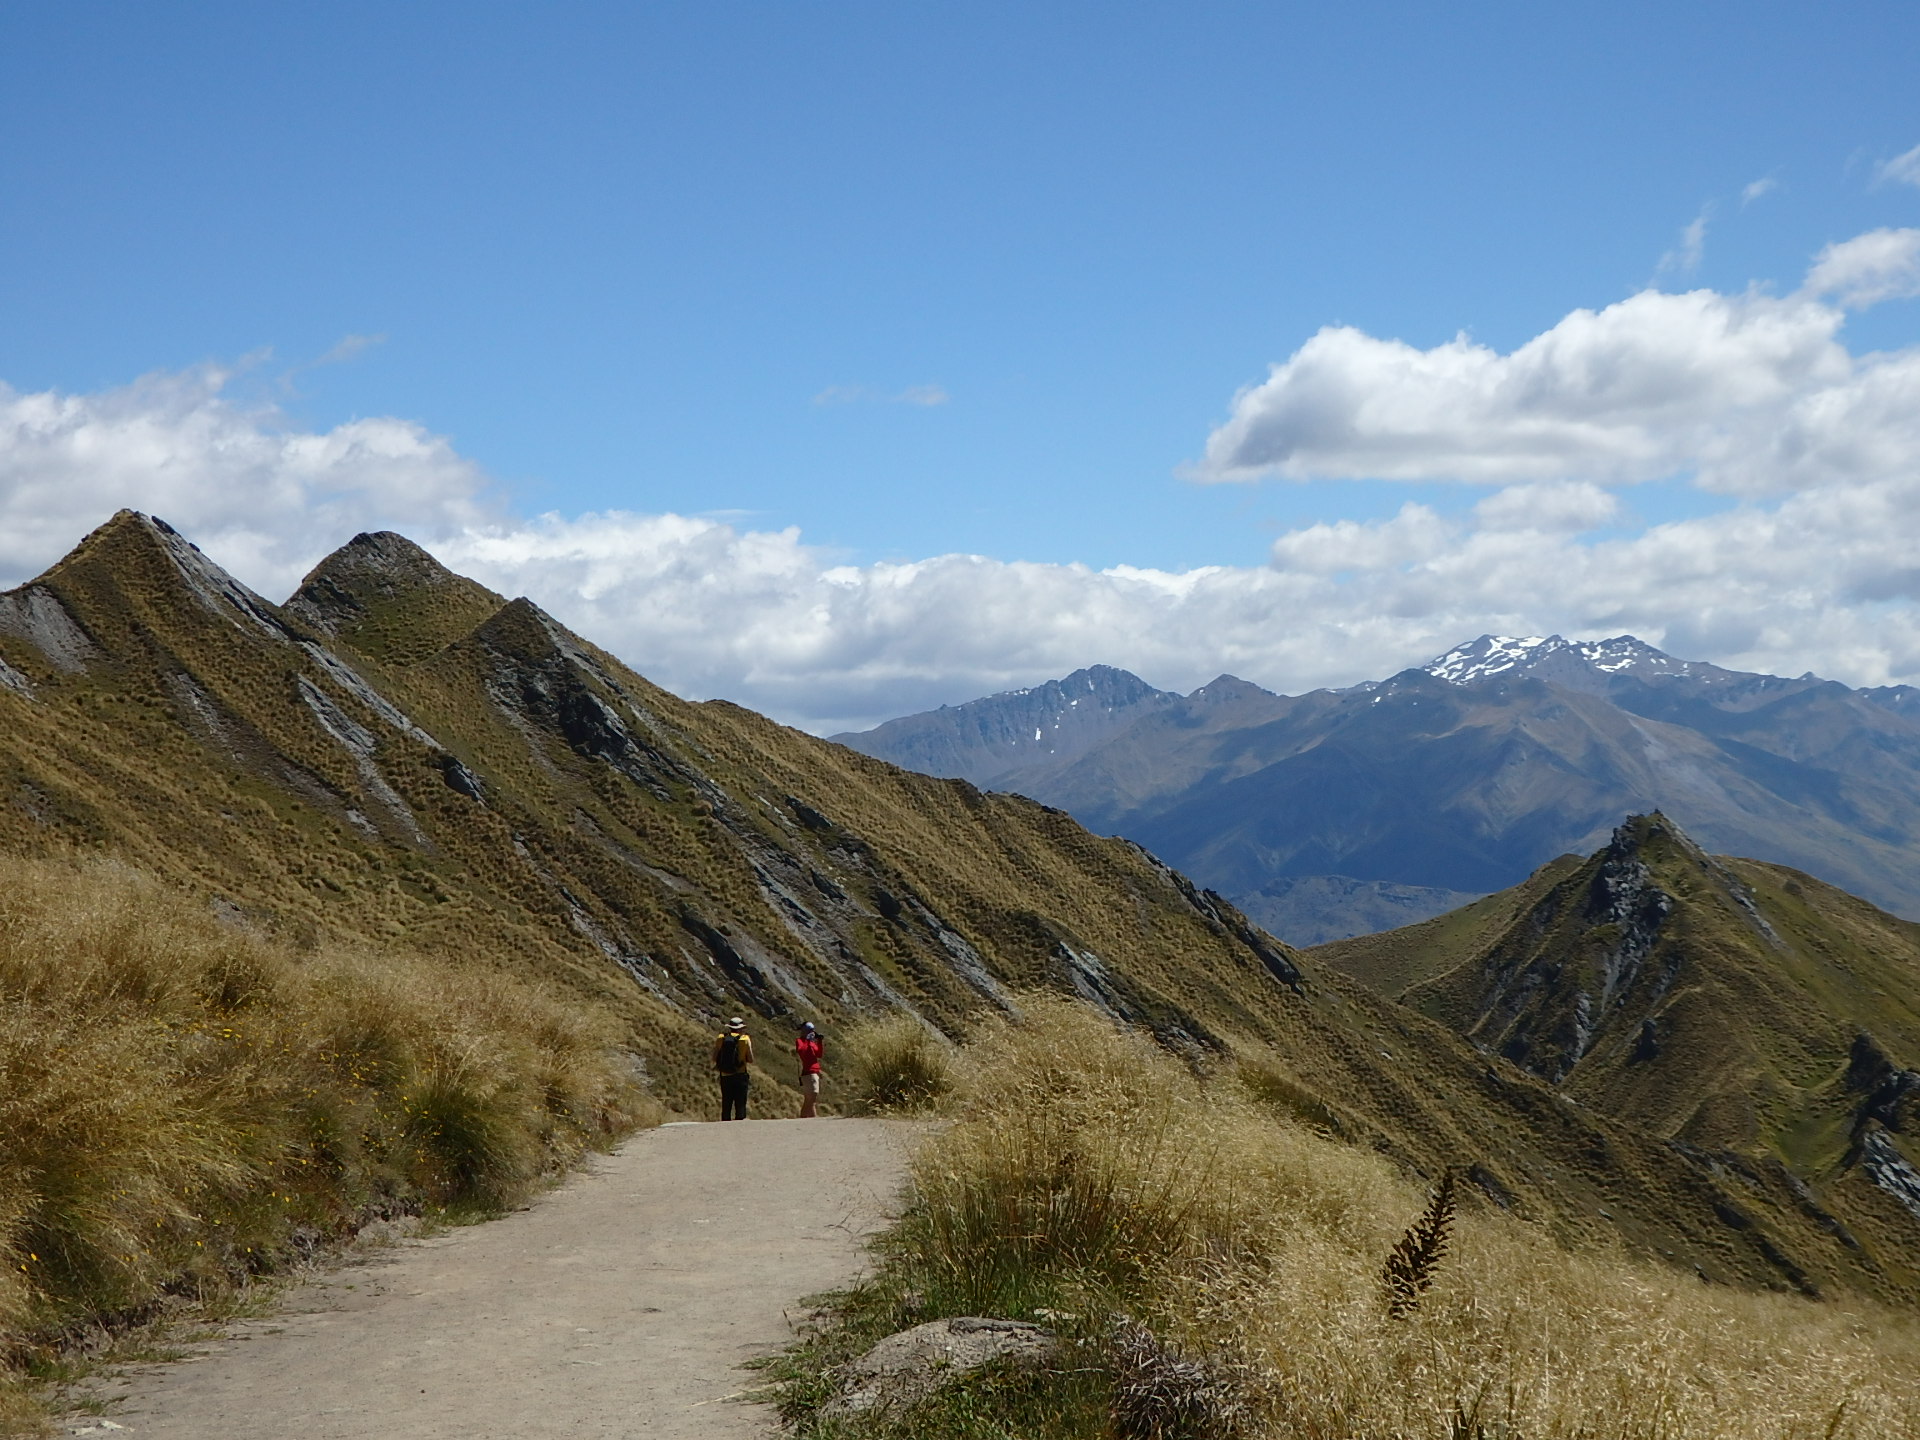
{"type": "Point", "coordinates": [1493, 655]}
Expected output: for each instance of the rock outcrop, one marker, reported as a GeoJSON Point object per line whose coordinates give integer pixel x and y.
{"type": "Point", "coordinates": [906, 1368]}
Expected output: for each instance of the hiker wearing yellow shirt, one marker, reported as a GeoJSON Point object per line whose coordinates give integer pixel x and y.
{"type": "Point", "coordinates": [732, 1054]}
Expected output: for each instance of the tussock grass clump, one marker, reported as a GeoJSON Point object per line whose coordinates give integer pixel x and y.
{"type": "Point", "coordinates": [183, 1102]}
{"type": "Point", "coordinates": [894, 1065]}
{"type": "Point", "coordinates": [1091, 1175]}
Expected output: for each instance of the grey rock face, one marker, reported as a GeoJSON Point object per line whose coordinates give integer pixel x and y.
{"type": "Point", "coordinates": [34, 614]}
{"type": "Point", "coordinates": [1888, 1169]}
{"type": "Point", "coordinates": [904, 1369]}
{"type": "Point", "coordinates": [13, 680]}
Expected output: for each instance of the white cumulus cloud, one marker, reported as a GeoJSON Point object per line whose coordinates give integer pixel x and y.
{"type": "Point", "coordinates": [1335, 547]}
{"type": "Point", "coordinates": [1809, 564]}
{"type": "Point", "coordinates": [1549, 507]}
{"type": "Point", "coordinates": [236, 477]}
{"type": "Point", "coordinates": [1646, 387]}
{"type": "Point", "coordinates": [1749, 394]}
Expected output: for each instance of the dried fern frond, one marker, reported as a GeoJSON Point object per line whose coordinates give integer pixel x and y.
{"type": "Point", "coordinates": [1410, 1268]}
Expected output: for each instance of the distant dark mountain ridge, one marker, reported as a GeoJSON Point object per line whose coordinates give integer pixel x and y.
{"type": "Point", "coordinates": [1463, 775]}
{"type": "Point", "coordinates": [986, 739]}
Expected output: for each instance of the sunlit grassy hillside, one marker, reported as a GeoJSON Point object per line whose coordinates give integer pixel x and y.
{"type": "Point", "coordinates": [1093, 1184]}
{"type": "Point", "coordinates": [1726, 1004]}
{"type": "Point", "coordinates": [397, 759]}
{"type": "Point", "coordinates": [184, 1102]}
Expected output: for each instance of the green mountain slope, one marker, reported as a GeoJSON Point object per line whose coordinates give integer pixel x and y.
{"type": "Point", "coordinates": [517, 794]}
{"type": "Point", "coordinates": [399, 755]}
{"type": "Point", "coordinates": [1726, 1005]}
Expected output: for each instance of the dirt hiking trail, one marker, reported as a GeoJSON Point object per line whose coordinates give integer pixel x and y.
{"type": "Point", "coordinates": [618, 1307]}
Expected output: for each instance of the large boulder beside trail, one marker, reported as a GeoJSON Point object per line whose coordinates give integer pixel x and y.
{"type": "Point", "coordinates": [905, 1368]}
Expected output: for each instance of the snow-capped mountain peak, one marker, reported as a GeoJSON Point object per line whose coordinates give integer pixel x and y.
{"type": "Point", "coordinates": [1624, 652]}
{"type": "Point", "coordinates": [1492, 655]}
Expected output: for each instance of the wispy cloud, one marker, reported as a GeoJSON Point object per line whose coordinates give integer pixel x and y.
{"type": "Point", "coordinates": [1685, 257]}
{"type": "Point", "coordinates": [1765, 185]}
{"type": "Point", "coordinates": [349, 347]}
{"type": "Point", "coordinates": [922, 395]}
{"type": "Point", "coordinates": [847, 395]}
{"type": "Point", "coordinates": [1902, 169]}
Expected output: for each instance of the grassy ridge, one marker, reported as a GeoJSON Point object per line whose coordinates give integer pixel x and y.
{"type": "Point", "coordinates": [189, 743]}
{"type": "Point", "coordinates": [1090, 1176]}
{"type": "Point", "coordinates": [674, 863]}
{"type": "Point", "coordinates": [1712, 1000]}
{"type": "Point", "coordinates": [184, 1102]}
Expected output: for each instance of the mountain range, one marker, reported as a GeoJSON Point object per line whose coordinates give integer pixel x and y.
{"type": "Point", "coordinates": [399, 756]}
{"type": "Point", "coordinates": [1340, 812]}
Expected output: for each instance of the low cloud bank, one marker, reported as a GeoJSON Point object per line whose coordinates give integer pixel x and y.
{"type": "Point", "coordinates": [1810, 565]}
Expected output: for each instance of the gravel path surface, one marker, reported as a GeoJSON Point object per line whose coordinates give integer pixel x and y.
{"type": "Point", "coordinates": [621, 1305]}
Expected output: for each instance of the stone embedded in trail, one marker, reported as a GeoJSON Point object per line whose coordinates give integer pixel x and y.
{"type": "Point", "coordinates": [906, 1368]}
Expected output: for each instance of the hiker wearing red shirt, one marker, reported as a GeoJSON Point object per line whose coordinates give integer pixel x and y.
{"type": "Point", "coordinates": [809, 1049]}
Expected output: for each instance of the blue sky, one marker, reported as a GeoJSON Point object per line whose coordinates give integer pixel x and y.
{"type": "Point", "coordinates": [916, 279]}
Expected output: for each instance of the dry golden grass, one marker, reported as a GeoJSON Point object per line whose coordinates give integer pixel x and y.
{"type": "Point", "coordinates": [894, 1064]}
{"type": "Point", "coordinates": [184, 1102]}
{"type": "Point", "coordinates": [1090, 1173]}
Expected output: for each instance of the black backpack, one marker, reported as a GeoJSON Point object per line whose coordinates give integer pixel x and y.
{"type": "Point", "coordinates": [727, 1057]}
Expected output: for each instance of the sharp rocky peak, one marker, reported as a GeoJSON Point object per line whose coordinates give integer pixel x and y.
{"type": "Point", "coordinates": [1638, 833]}
{"type": "Point", "coordinates": [382, 593]}
{"type": "Point", "coordinates": [382, 561]}
{"type": "Point", "coordinates": [523, 634]}
{"type": "Point", "coordinates": [1224, 689]}
{"type": "Point", "coordinates": [519, 624]}
{"type": "Point", "coordinates": [132, 544]}
{"type": "Point", "coordinates": [1107, 682]}
{"type": "Point", "coordinates": [1654, 838]}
